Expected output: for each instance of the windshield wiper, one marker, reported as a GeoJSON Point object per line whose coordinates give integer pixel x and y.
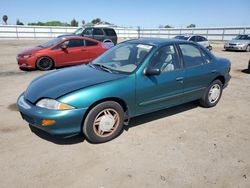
{"type": "Point", "coordinates": [103, 67]}
{"type": "Point", "coordinates": [40, 46]}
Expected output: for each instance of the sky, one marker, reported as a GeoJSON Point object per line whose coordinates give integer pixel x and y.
{"type": "Point", "coordinates": [131, 13]}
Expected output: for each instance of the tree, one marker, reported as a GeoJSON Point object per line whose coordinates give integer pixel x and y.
{"type": "Point", "coordinates": [96, 21]}
{"type": "Point", "coordinates": [18, 22]}
{"type": "Point", "coordinates": [5, 18]}
{"type": "Point", "coordinates": [74, 23]}
{"type": "Point", "coordinates": [167, 26]}
{"type": "Point", "coordinates": [191, 26]}
{"type": "Point", "coordinates": [83, 22]}
{"type": "Point", "coordinates": [50, 23]}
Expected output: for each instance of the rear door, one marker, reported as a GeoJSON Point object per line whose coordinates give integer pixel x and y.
{"type": "Point", "coordinates": [198, 71]}
{"type": "Point", "coordinates": [92, 50]}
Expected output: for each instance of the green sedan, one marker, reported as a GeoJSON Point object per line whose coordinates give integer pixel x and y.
{"type": "Point", "coordinates": [133, 78]}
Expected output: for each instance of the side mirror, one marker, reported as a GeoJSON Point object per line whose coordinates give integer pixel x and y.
{"type": "Point", "coordinates": [152, 71]}
{"type": "Point", "coordinates": [64, 47]}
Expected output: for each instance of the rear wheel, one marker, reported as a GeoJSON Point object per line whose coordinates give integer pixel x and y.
{"type": "Point", "coordinates": [212, 95]}
{"type": "Point", "coordinates": [248, 48]}
{"type": "Point", "coordinates": [44, 63]}
{"type": "Point", "coordinates": [104, 122]}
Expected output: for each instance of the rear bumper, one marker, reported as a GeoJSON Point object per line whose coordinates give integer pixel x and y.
{"type": "Point", "coordinates": [67, 122]}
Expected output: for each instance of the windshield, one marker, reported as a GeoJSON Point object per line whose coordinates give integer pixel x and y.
{"type": "Point", "coordinates": [78, 31]}
{"type": "Point", "coordinates": [243, 37]}
{"type": "Point", "coordinates": [51, 43]}
{"type": "Point", "coordinates": [182, 37]}
{"type": "Point", "coordinates": [125, 57]}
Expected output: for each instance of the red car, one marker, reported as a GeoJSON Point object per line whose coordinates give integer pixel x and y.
{"type": "Point", "coordinates": [61, 51]}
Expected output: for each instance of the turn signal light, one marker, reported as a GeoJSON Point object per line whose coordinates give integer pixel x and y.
{"type": "Point", "coordinates": [47, 122]}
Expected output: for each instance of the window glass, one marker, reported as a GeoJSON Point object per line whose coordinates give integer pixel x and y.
{"type": "Point", "coordinates": [87, 31]}
{"type": "Point", "coordinates": [191, 55]}
{"type": "Point", "coordinates": [165, 59]}
{"type": "Point", "coordinates": [110, 32]}
{"type": "Point", "coordinates": [98, 31]}
{"type": "Point", "coordinates": [74, 43]}
{"type": "Point", "coordinates": [206, 57]}
{"type": "Point", "coordinates": [199, 39]}
{"type": "Point", "coordinates": [78, 31]}
{"type": "Point", "coordinates": [124, 57]}
{"type": "Point", "coordinates": [51, 43]}
{"type": "Point", "coordinates": [192, 38]}
{"type": "Point", "coordinates": [90, 43]}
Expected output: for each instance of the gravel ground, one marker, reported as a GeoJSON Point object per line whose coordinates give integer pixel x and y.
{"type": "Point", "coordinates": [185, 146]}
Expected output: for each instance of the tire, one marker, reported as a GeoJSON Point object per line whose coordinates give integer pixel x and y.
{"type": "Point", "coordinates": [106, 40]}
{"type": "Point", "coordinates": [44, 63]}
{"type": "Point", "coordinates": [104, 122]}
{"type": "Point", "coordinates": [248, 48]}
{"type": "Point", "coordinates": [212, 94]}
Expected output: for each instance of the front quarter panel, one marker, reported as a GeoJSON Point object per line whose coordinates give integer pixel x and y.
{"type": "Point", "coordinates": [123, 89]}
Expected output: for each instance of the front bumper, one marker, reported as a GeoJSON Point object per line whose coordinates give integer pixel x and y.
{"type": "Point", "coordinates": [237, 48]}
{"type": "Point", "coordinates": [67, 122]}
{"type": "Point", "coordinates": [28, 63]}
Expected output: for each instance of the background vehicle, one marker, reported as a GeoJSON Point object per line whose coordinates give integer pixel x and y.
{"type": "Point", "coordinates": [196, 38]}
{"type": "Point", "coordinates": [134, 78]}
{"type": "Point", "coordinates": [241, 42]}
{"type": "Point", "coordinates": [103, 34]}
{"type": "Point", "coordinates": [59, 52]}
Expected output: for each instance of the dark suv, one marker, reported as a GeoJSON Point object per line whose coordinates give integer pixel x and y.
{"type": "Point", "coordinates": [103, 34]}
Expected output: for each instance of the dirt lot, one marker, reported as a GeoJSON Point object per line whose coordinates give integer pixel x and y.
{"type": "Point", "coordinates": [185, 146]}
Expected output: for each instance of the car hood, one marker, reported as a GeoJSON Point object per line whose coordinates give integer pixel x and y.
{"type": "Point", "coordinates": [66, 80]}
{"type": "Point", "coordinates": [31, 50]}
{"type": "Point", "coordinates": [239, 41]}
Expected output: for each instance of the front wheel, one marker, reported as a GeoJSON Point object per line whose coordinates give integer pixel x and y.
{"type": "Point", "coordinates": [44, 63]}
{"type": "Point", "coordinates": [104, 122]}
{"type": "Point", "coordinates": [212, 95]}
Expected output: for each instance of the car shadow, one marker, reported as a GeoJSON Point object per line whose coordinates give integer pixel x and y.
{"type": "Point", "coordinates": [139, 120]}
{"type": "Point", "coordinates": [246, 71]}
{"type": "Point", "coordinates": [57, 139]}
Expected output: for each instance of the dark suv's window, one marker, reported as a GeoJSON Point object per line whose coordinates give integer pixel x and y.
{"type": "Point", "coordinates": [98, 31]}
{"type": "Point", "coordinates": [87, 31]}
{"type": "Point", "coordinates": [90, 43]}
{"type": "Point", "coordinates": [110, 32]}
{"type": "Point", "coordinates": [191, 55]}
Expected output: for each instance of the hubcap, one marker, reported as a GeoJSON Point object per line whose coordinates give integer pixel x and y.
{"type": "Point", "coordinates": [214, 93]}
{"type": "Point", "coordinates": [106, 122]}
{"type": "Point", "coordinates": [44, 63]}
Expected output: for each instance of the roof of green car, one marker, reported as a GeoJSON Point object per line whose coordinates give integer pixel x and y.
{"type": "Point", "coordinates": [156, 41]}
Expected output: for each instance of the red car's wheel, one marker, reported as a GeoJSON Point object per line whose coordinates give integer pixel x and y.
{"type": "Point", "coordinates": [44, 63]}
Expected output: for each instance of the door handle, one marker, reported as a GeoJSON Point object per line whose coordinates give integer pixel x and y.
{"type": "Point", "coordinates": [179, 79]}
{"type": "Point", "coordinates": [213, 71]}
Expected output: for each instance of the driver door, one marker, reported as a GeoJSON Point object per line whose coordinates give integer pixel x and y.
{"type": "Point", "coordinates": [73, 54]}
{"type": "Point", "coordinates": [154, 92]}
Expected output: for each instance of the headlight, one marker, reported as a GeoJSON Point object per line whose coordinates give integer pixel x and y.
{"type": "Point", "coordinates": [53, 104]}
{"type": "Point", "coordinates": [26, 56]}
{"type": "Point", "coordinates": [239, 44]}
